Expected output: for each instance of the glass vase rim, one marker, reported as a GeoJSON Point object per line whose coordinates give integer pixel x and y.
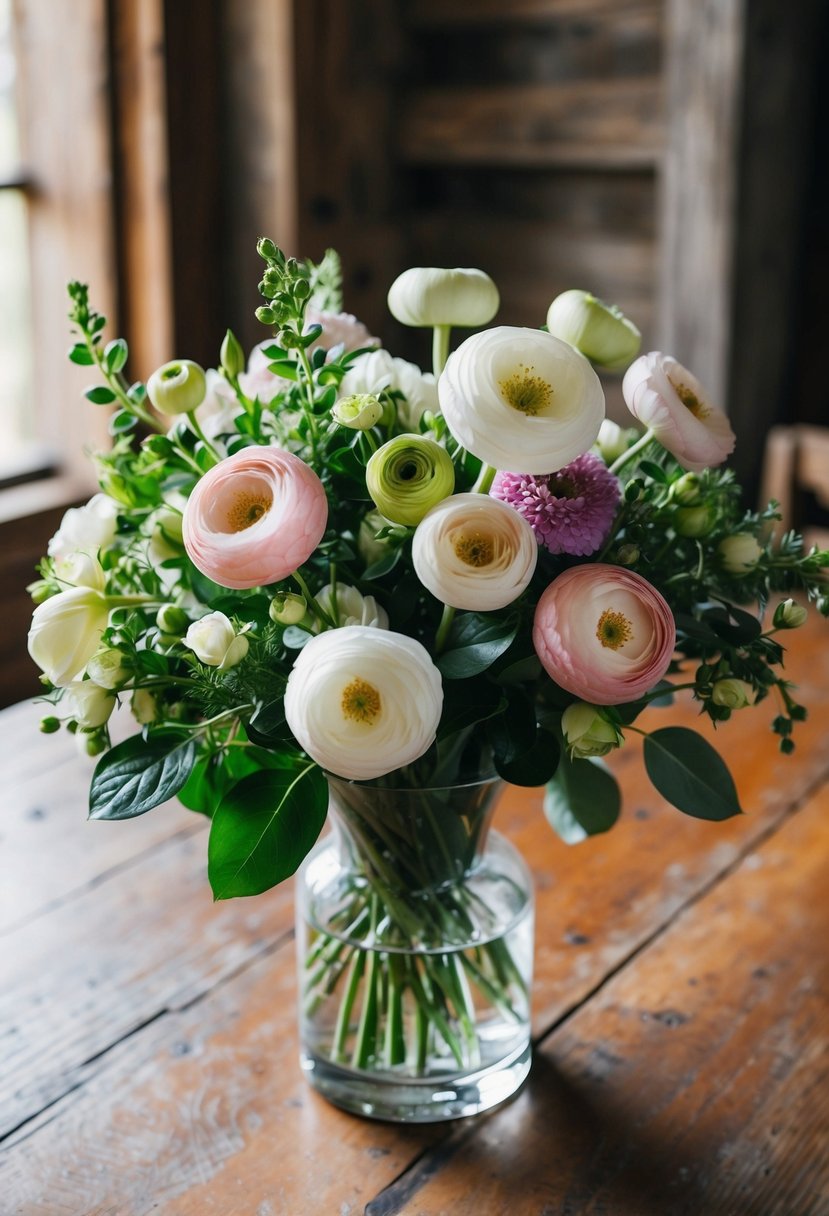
{"type": "Point", "coordinates": [491, 779]}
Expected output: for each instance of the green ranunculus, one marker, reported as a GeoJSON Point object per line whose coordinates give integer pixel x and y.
{"type": "Point", "coordinates": [408, 476]}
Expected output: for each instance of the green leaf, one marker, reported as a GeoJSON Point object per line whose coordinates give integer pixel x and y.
{"type": "Point", "coordinates": [100, 395]}
{"type": "Point", "coordinates": [286, 368]}
{"type": "Point", "coordinates": [475, 642]}
{"type": "Point", "coordinates": [467, 702]}
{"type": "Point", "coordinates": [383, 564]}
{"type": "Point", "coordinates": [582, 799]}
{"type": "Point", "coordinates": [213, 775]}
{"type": "Point", "coordinates": [267, 726]}
{"type": "Point", "coordinates": [263, 828]}
{"type": "Point", "coordinates": [535, 766]}
{"type": "Point", "coordinates": [81, 355]}
{"type": "Point", "coordinates": [514, 732]}
{"type": "Point", "coordinates": [690, 774]}
{"type": "Point", "coordinates": [138, 774]}
{"type": "Point", "coordinates": [654, 471]}
{"type": "Point", "coordinates": [121, 422]}
{"type": "Point", "coordinates": [115, 356]}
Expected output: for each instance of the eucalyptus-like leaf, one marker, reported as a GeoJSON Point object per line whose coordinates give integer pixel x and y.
{"type": "Point", "coordinates": [582, 799]}
{"type": "Point", "coordinates": [263, 828]}
{"type": "Point", "coordinates": [138, 774]}
{"type": "Point", "coordinates": [690, 774]}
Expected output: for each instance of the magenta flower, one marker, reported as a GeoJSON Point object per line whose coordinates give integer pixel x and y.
{"type": "Point", "coordinates": [604, 633]}
{"type": "Point", "coordinates": [254, 518]}
{"type": "Point", "coordinates": [570, 511]}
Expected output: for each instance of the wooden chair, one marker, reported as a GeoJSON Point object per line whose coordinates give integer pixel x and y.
{"type": "Point", "coordinates": [796, 474]}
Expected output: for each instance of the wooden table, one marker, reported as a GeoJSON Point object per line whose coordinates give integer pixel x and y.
{"type": "Point", "coordinates": [149, 1058]}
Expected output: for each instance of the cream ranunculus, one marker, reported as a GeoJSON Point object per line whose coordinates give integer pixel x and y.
{"type": "Point", "coordinates": [363, 702]}
{"type": "Point", "coordinates": [85, 529]}
{"type": "Point", "coordinates": [351, 607]}
{"type": "Point", "coordinates": [215, 642]}
{"type": "Point", "coordinates": [521, 400]}
{"type": "Point", "coordinates": [66, 631]}
{"type": "Point", "coordinates": [80, 570]}
{"type": "Point", "coordinates": [108, 668]}
{"type": "Point", "coordinates": [359, 412]}
{"type": "Point", "coordinates": [88, 703]}
{"type": "Point", "coordinates": [474, 552]}
{"type": "Point", "coordinates": [425, 296]}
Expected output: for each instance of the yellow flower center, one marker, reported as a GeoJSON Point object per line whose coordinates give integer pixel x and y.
{"type": "Point", "coordinates": [525, 392]}
{"type": "Point", "coordinates": [690, 400]}
{"type": "Point", "coordinates": [474, 549]}
{"type": "Point", "coordinates": [613, 629]}
{"type": "Point", "coordinates": [361, 702]}
{"type": "Point", "coordinates": [247, 509]}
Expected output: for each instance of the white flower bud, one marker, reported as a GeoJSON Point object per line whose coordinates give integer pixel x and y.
{"type": "Point", "coordinates": [215, 641]}
{"type": "Point", "coordinates": [358, 412]}
{"type": "Point", "coordinates": [613, 440]}
{"type": "Point", "coordinates": [426, 295]}
{"type": "Point", "coordinates": [144, 706]}
{"type": "Point", "coordinates": [88, 703]}
{"type": "Point", "coordinates": [600, 331]}
{"type": "Point", "coordinates": [789, 615]}
{"type": "Point", "coordinates": [587, 733]}
{"type": "Point", "coordinates": [107, 668]}
{"type": "Point", "coordinates": [287, 608]}
{"type": "Point", "coordinates": [740, 553]}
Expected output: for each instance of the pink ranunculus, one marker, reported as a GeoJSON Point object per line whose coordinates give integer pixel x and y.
{"type": "Point", "coordinates": [339, 329]}
{"type": "Point", "coordinates": [604, 633]}
{"type": "Point", "coordinates": [666, 397]}
{"type": "Point", "coordinates": [254, 518]}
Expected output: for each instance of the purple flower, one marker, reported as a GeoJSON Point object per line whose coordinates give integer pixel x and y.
{"type": "Point", "coordinates": [570, 511]}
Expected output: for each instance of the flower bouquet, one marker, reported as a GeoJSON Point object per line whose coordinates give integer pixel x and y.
{"type": "Point", "coordinates": [321, 577]}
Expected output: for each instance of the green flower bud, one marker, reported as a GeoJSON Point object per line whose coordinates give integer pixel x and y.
{"type": "Point", "coordinates": [172, 620]}
{"type": "Point", "coordinates": [40, 591]}
{"type": "Point", "coordinates": [287, 608]}
{"type": "Point", "coordinates": [740, 553]}
{"type": "Point", "coordinates": [408, 476]}
{"type": "Point", "coordinates": [789, 615]}
{"type": "Point", "coordinates": [92, 743]}
{"type": "Point", "coordinates": [587, 733]}
{"type": "Point", "coordinates": [600, 331]}
{"type": "Point", "coordinates": [425, 296]}
{"type": "Point", "coordinates": [178, 387]}
{"type": "Point", "coordinates": [686, 490]}
{"type": "Point", "coordinates": [266, 315]}
{"type": "Point", "coordinates": [49, 725]}
{"type": "Point", "coordinates": [232, 356]}
{"type": "Point", "coordinates": [266, 248]}
{"type": "Point", "coordinates": [733, 694]}
{"type": "Point", "coordinates": [368, 546]}
{"type": "Point", "coordinates": [628, 555]}
{"type": "Point", "coordinates": [694, 521]}
{"type": "Point", "coordinates": [613, 440]}
{"type": "Point", "coordinates": [359, 412]}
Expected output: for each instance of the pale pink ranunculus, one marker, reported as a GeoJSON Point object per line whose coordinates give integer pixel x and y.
{"type": "Point", "coordinates": [254, 518]}
{"type": "Point", "coordinates": [668, 399]}
{"type": "Point", "coordinates": [604, 634]}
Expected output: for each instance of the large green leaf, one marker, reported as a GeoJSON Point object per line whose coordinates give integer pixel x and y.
{"type": "Point", "coordinates": [138, 774]}
{"type": "Point", "coordinates": [582, 799]}
{"type": "Point", "coordinates": [690, 774]}
{"type": "Point", "coordinates": [475, 642]}
{"type": "Point", "coordinates": [534, 766]}
{"type": "Point", "coordinates": [263, 828]}
{"type": "Point", "coordinates": [467, 702]}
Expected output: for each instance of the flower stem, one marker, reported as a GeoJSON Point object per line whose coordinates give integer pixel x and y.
{"type": "Point", "coordinates": [443, 628]}
{"type": "Point", "coordinates": [635, 450]}
{"type": "Point", "coordinates": [191, 418]}
{"type": "Point", "coordinates": [485, 480]}
{"type": "Point", "coordinates": [440, 348]}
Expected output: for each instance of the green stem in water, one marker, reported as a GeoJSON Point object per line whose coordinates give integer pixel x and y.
{"type": "Point", "coordinates": [440, 348]}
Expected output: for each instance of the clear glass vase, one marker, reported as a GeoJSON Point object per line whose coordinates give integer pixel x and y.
{"type": "Point", "coordinates": [415, 941]}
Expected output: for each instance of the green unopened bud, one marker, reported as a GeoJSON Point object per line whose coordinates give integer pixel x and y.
{"type": "Point", "coordinates": [178, 387]}
{"type": "Point", "coordinates": [613, 440]}
{"type": "Point", "coordinates": [740, 553]}
{"type": "Point", "coordinates": [686, 490]}
{"type": "Point", "coordinates": [587, 733]}
{"type": "Point", "coordinates": [425, 296]}
{"type": "Point", "coordinates": [172, 620]}
{"type": "Point", "coordinates": [266, 315]}
{"type": "Point", "coordinates": [408, 476]}
{"type": "Point", "coordinates": [232, 356]}
{"type": "Point", "coordinates": [91, 743]}
{"type": "Point", "coordinates": [266, 248]}
{"type": "Point", "coordinates": [789, 615]}
{"type": "Point", "coordinates": [359, 412]}
{"type": "Point", "coordinates": [627, 555]}
{"type": "Point", "coordinates": [694, 521]}
{"type": "Point", "coordinates": [49, 725]}
{"type": "Point", "coordinates": [144, 706]}
{"type": "Point", "coordinates": [600, 331]}
{"type": "Point", "coordinates": [368, 546]}
{"type": "Point", "coordinates": [39, 591]}
{"type": "Point", "coordinates": [733, 694]}
{"type": "Point", "coordinates": [302, 289]}
{"type": "Point", "coordinates": [287, 608]}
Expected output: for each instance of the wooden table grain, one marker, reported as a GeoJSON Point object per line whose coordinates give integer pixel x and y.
{"type": "Point", "coordinates": [148, 1055]}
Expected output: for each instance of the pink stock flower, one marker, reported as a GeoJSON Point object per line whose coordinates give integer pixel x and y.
{"type": "Point", "coordinates": [254, 518]}
{"type": "Point", "coordinates": [339, 329]}
{"type": "Point", "coordinates": [570, 511]}
{"type": "Point", "coordinates": [666, 397]}
{"type": "Point", "coordinates": [604, 634]}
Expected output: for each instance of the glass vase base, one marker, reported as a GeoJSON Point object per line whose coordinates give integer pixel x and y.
{"type": "Point", "coordinates": [418, 1100]}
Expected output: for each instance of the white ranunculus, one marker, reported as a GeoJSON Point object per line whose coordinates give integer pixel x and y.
{"type": "Point", "coordinates": [88, 703]}
{"type": "Point", "coordinates": [66, 631]}
{"type": "Point", "coordinates": [363, 702]}
{"type": "Point", "coordinates": [351, 608]}
{"type": "Point", "coordinates": [378, 370]}
{"type": "Point", "coordinates": [474, 552]}
{"type": "Point", "coordinates": [215, 642]}
{"type": "Point", "coordinates": [80, 570]}
{"type": "Point", "coordinates": [425, 296]}
{"type": "Point", "coordinates": [521, 400]}
{"type": "Point", "coordinates": [85, 529]}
